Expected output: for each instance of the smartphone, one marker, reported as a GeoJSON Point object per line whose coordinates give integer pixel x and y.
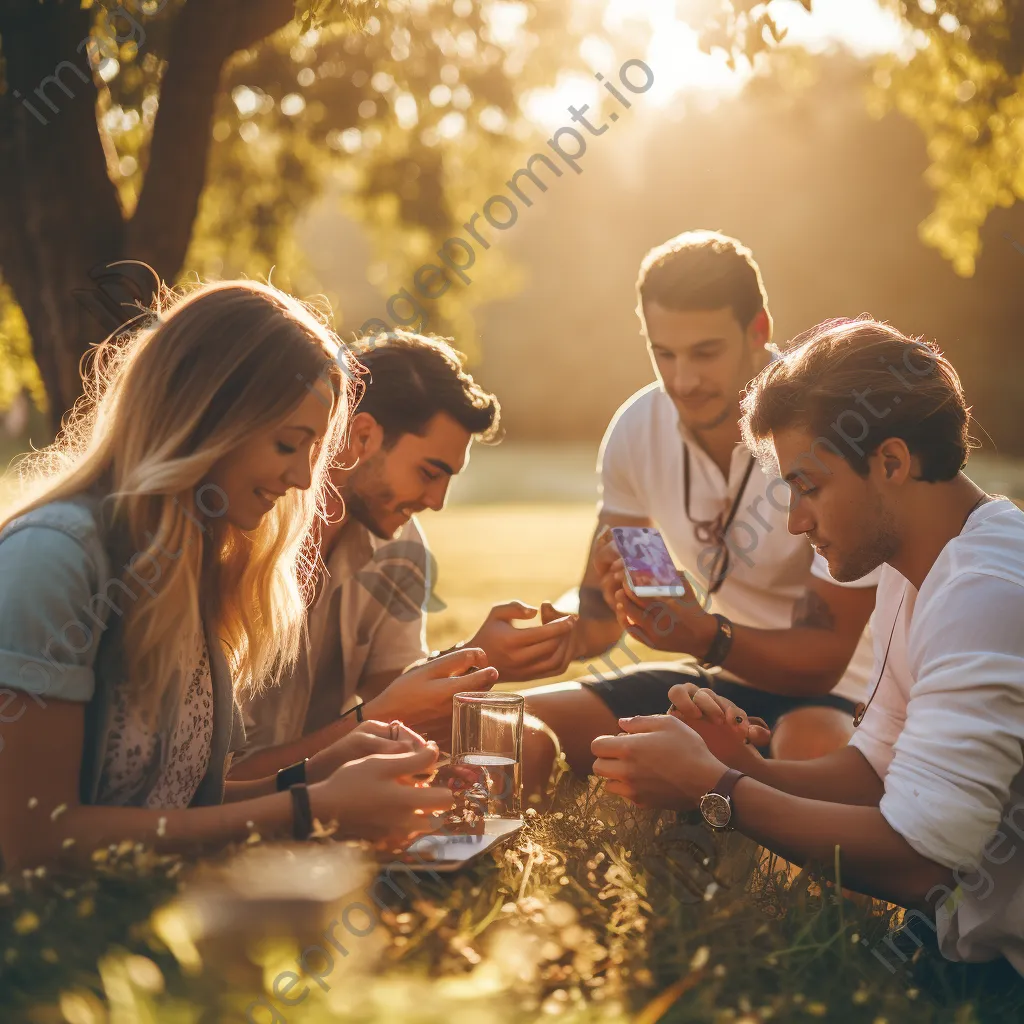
{"type": "Point", "coordinates": [650, 571]}
{"type": "Point", "coordinates": [446, 852]}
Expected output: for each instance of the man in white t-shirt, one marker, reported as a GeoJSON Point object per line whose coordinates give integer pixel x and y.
{"type": "Point", "coordinates": [926, 804]}
{"type": "Point", "coordinates": [791, 642]}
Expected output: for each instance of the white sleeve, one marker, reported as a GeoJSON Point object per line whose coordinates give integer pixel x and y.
{"type": "Point", "coordinates": [883, 722]}
{"type": "Point", "coordinates": [616, 465]}
{"type": "Point", "coordinates": [819, 569]}
{"type": "Point", "coordinates": [963, 741]}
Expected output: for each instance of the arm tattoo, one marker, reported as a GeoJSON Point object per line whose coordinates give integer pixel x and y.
{"type": "Point", "coordinates": [812, 610]}
{"type": "Point", "coordinates": [594, 606]}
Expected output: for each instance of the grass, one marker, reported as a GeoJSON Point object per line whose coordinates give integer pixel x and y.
{"type": "Point", "coordinates": [599, 913]}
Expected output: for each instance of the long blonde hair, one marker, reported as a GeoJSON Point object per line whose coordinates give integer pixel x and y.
{"type": "Point", "coordinates": [161, 406]}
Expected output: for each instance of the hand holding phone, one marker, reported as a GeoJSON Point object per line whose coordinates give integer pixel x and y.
{"type": "Point", "coordinates": [649, 569]}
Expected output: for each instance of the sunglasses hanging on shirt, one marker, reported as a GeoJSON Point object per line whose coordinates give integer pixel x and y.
{"type": "Point", "coordinates": [713, 532]}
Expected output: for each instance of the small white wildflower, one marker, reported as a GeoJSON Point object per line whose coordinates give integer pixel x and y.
{"type": "Point", "coordinates": [161, 827]}
{"type": "Point", "coordinates": [33, 803]}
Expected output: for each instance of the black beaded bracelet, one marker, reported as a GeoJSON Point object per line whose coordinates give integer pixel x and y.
{"type": "Point", "coordinates": [292, 775]}
{"type": "Point", "coordinates": [302, 812]}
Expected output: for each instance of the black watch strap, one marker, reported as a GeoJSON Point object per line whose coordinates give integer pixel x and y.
{"type": "Point", "coordinates": [721, 645]}
{"type": "Point", "coordinates": [293, 775]}
{"type": "Point", "coordinates": [302, 812]}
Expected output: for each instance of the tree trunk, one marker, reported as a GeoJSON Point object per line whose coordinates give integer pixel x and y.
{"type": "Point", "coordinates": [59, 212]}
{"type": "Point", "coordinates": [61, 222]}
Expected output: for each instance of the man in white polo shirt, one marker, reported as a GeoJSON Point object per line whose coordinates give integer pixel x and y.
{"type": "Point", "coordinates": [791, 642]}
{"type": "Point", "coordinates": [926, 804]}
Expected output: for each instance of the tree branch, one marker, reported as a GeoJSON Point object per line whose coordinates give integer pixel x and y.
{"type": "Point", "coordinates": [205, 35]}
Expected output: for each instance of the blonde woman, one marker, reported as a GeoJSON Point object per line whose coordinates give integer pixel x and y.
{"type": "Point", "coordinates": [160, 566]}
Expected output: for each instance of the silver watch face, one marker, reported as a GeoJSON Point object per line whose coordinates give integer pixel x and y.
{"type": "Point", "coordinates": [717, 809]}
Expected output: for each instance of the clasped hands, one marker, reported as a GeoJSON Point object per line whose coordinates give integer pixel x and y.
{"type": "Point", "coordinates": [670, 761]}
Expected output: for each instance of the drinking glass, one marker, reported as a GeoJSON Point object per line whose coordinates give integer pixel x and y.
{"type": "Point", "coordinates": [487, 753]}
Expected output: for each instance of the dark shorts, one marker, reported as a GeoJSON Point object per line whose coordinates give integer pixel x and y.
{"type": "Point", "coordinates": [643, 690]}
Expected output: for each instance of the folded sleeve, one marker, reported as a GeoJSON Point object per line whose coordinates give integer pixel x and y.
{"type": "Point", "coordinates": [616, 465]}
{"type": "Point", "coordinates": [48, 637]}
{"type": "Point", "coordinates": [961, 746]}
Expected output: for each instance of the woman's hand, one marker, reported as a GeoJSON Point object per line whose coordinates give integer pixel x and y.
{"type": "Point", "coordinates": [425, 693]}
{"type": "Point", "coordinates": [368, 738]}
{"type": "Point", "coordinates": [377, 797]}
{"type": "Point", "coordinates": [727, 730]}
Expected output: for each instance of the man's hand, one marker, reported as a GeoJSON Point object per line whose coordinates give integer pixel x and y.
{"type": "Point", "coordinates": [677, 624]}
{"type": "Point", "coordinates": [367, 738]}
{"type": "Point", "coordinates": [425, 692]}
{"type": "Point", "coordinates": [727, 730]}
{"type": "Point", "coordinates": [377, 797]}
{"type": "Point", "coordinates": [659, 762]}
{"type": "Point", "coordinates": [532, 653]}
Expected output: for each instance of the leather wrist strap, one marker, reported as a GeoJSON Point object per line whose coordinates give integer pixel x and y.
{"type": "Point", "coordinates": [292, 775]}
{"type": "Point", "coordinates": [302, 812]}
{"type": "Point", "coordinates": [721, 645]}
{"type": "Point", "coordinates": [727, 782]}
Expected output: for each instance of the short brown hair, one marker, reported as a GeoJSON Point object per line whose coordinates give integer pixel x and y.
{"type": "Point", "coordinates": [700, 270]}
{"type": "Point", "coordinates": [823, 381]}
{"type": "Point", "coordinates": [413, 377]}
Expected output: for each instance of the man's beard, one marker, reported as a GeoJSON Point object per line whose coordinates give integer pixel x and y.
{"type": "Point", "coordinates": [745, 372]}
{"type": "Point", "coordinates": [729, 410]}
{"type": "Point", "coordinates": [367, 498]}
{"type": "Point", "coordinates": [880, 547]}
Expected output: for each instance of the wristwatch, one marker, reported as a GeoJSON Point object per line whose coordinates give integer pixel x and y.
{"type": "Point", "coordinates": [716, 806]}
{"type": "Point", "coordinates": [721, 645]}
{"type": "Point", "coordinates": [292, 775]}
